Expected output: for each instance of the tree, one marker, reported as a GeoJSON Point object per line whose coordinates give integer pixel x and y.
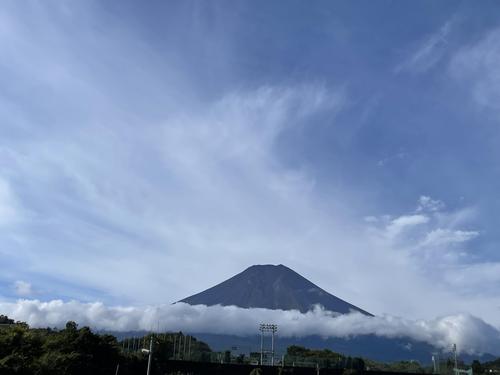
{"type": "Point", "coordinates": [227, 356]}
{"type": "Point", "coordinates": [477, 368]}
{"type": "Point", "coordinates": [78, 351]}
{"type": "Point", "coordinates": [4, 319]}
{"type": "Point", "coordinates": [71, 326]}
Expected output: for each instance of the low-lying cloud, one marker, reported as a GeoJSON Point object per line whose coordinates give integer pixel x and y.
{"type": "Point", "coordinates": [471, 334]}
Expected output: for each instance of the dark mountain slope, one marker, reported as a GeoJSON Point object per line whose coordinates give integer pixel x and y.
{"type": "Point", "coordinates": [271, 287]}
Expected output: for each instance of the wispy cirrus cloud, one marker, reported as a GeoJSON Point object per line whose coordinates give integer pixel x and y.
{"type": "Point", "coordinates": [426, 203]}
{"type": "Point", "coordinates": [440, 244]}
{"type": "Point", "coordinates": [148, 176]}
{"type": "Point", "coordinates": [23, 288]}
{"type": "Point", "coordinates": [476, 65]}
{"type": "Point", "coordinates": [10, 210]}
{"type": "Point", "coordinates": [116, 191]}
{"type": "Point", "coordinates": [429, 52]}
{"type": "Point", "coordinates": [118, 185]}
{"type": "Point", "coordinates": [399, 224]}
{"type": "Point", "coordinates": [214, 180]}
{"type": "Point", "coordinates": [439, 237]}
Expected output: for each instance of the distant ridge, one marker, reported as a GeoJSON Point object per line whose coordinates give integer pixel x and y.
{"type": "Point", "coordinates": [271, 287]}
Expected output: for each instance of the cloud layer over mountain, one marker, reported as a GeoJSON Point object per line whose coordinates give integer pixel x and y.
{"type": "Point", "coordinates": [471, 334]}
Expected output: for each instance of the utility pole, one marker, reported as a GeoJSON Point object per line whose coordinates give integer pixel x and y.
{"type": "Point", "coordinates": [180, 346]}
{"type": "Point", "coordinates": [175, 339]}
{"type": "Point", "coordinates": [435, 362]}
{"type": "Point", "coordinates": [184, 353]}
{"type": "Point", "coordinates": [150, 355]}
{"type": "Point", "coordinates": [455, 355]}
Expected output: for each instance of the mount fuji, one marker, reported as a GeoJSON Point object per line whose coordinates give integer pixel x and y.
{"type": "Point", "coordinates": [271, 287]}
{"type": "Point", "coordinates": [278, 287]}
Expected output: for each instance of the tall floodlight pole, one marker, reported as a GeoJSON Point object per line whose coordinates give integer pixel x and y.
{"type": "Point", "coordinates": [272, 347]}
{"type": "Point", "coordinates": [267, 328]}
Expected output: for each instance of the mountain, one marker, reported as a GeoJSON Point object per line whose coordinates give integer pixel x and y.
{"type": "Point", "coordinates": [279, 287]}
{"type": "Point", "coordinates": [271, 287]}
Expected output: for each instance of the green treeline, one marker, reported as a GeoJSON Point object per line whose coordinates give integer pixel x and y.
{"type": "Point", "coordinates": [47, 351]}
{"type": "Point", "coordinates": [325, 358]}
{"type": "Point", "coordinates": [301, 356]}
{"type": "Point", "coordinates": [79, 351]}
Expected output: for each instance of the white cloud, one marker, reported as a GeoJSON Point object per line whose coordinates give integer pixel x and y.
{"type": "Point", "coordinates": [427, 204]}
{"type": "Point", "coordinates": [399, 224]}
{"type": "Point", "coordinates": [478, 278]}
{"type": "Point", "coordinates": [437, 247]}
{"type": "Point", "coordinates": [477, 66]}
{"type": "Point", "coordinates": [429, 52]}
{"type": "Point", "coordinates": [23, 288]}
{"type": "Point", "coordinates": [471, 334]}
{"type": "Point", "coordinates": [399, 156]}
{"type": "Point", "coordinates": [430, 226]}
{"type": "Point", "coordinates": [9, 206]}
{"type": "Point", "coordinates": [440, 237]}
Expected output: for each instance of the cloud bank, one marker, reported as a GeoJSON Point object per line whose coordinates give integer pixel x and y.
{"type": "Point", "coordinates": [471, 334]}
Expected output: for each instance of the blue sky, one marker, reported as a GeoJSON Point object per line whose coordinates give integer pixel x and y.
{"type": "Point", "coordinates": [149, 152]}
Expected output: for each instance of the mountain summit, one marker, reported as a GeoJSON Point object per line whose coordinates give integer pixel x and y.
{"type": "Point", "coordinates": [271, 287]}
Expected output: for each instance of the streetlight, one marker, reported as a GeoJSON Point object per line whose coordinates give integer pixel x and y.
{"type": "Point", "coordinates": [149, 352]}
